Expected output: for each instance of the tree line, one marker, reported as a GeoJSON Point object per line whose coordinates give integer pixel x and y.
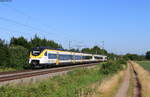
{"type": "Point", "coordinates": [15, 54]}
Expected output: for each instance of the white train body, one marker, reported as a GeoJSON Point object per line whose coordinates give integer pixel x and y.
{"type": "Point", "coordinates": [46, 56]}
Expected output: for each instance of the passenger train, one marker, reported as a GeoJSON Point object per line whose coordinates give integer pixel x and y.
{"type": "Point", "coordinates": [45, 56]}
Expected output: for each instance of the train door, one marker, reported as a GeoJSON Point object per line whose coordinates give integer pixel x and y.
{"type": "Point", "coordinates": [57, 59]}
{"type": "Point", "coordinates": [45, 58]}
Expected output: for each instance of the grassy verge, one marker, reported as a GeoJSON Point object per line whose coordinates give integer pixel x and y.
{"type": "Point", "coordinates": [72, 84]}
{"type": "Point", "coordinates": [116, 72]}
{"type": "Point", "coordinates": [109, 86]}
{"type": "Point", "coordinates": [144, 77]}
{"type": "Point", "coordinates": [145, 64]}
{"type": "Point", "coordinates": [5, 69]}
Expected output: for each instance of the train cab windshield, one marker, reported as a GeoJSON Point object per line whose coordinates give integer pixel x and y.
{"type": "Point", "coordinates": [36, 51]}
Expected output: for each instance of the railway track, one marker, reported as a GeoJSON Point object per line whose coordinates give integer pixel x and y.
{"type": "Point", "coordinates": [9, 76]}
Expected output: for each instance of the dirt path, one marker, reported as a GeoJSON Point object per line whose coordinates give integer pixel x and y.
{"type": "Point", "coordinates": [122, 91]}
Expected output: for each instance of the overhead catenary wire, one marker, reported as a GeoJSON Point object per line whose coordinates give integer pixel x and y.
{"type": "Point", "coordinates": [22, 24]}
{"type": "Point", "coordinates": [33, 18]}
{"type": "Point", "coordinates": [11, 33]}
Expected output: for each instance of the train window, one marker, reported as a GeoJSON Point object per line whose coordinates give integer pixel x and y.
{"type": "Point", "coordinates": [45, 53]}
{"type": "Point", "coordinates": [98, 57]}
{"type": "Point", "coordinates": [71, 57]}
{"type": "Point", "coordinates": [52, 56]}
{"type": "Point", "coordinates": [65, 57]}
{"type": "Point", "coordinates": [87, 57]}
{"type": "Point", "coordinates": [101, 58]}
{"type": "Point", "coordinates": [78, 57]}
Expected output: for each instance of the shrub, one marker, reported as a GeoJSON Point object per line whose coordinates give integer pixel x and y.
{"type": "Point", "coordinates": [18, 57]}
{"type": "Point", "coordinates": [3, 53]}
{"type": "Point", "coordinates": [111, 67]}
{"type": "Point", "coordinates": [122, 61]}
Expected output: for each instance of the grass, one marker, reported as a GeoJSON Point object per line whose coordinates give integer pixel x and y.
{"type": "Point", "coordinates": [72, 84]}
{"type": "Point", "coordinates": [5, 69]}
{"type": "Point", "coordinates": [130, 92]}
{"type": "Point", "coordinates": [144, 77]}
{"type": "Point", "coordinates": [110, 86]}
{"type": "Point", "coordinates": [145, 64]}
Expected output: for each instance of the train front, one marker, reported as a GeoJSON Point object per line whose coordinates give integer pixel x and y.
{"type": "Point", "coordinates": [36, 56]}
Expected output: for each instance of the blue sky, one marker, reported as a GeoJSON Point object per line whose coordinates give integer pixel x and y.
{"type": "Point", "coordinates": [123, 25]}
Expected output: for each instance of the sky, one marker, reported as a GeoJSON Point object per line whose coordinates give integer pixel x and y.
{"type": "Point", "coordinates": [123, 25]}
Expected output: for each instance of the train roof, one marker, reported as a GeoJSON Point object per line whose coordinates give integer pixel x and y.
{"type": "Point", "coordinates": [100, 55]}
{"type": "Point", "coordinates": [41, 48]}
{"type": "Point", "coordinates": [45, 47]}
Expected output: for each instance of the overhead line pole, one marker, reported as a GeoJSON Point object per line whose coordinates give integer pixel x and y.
{"type": "Point", "coordinates": [69, 44]}
{"type": "Point", "coordinates": [103, 44]}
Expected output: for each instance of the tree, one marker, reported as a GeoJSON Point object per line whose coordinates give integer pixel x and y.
{"type": "Point", "coordinates": [74, 50]}
{"type": "Point", "coordinates": [37, 41]}
{"type": "Point", "coordinates": [4, 55]}
{"type": "Point", "coordinates": [98, 50]}
{"type": "Point", "coordinates": [94, 50]}
{"type": "Point", "coordinates": [148, 55]}
{"type": "Point", "coordinates": [112, 56]}
{"type": "Point", "coordinates": [133, 57]}
{"type": "Point", "coordinates": [20, 41]}
{"type": "Point", "coordinates": [86, 50]}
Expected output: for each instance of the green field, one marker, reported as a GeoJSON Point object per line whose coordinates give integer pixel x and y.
{"type": "Point", "coordinates": [145, 64]}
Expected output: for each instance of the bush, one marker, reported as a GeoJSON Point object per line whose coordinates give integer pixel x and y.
{"type": "Point", "coordinates": [3, 53]}
{"type": "Point", "coordinates": [18, 57]}
{"type": "Point", "coordinates": [121, 61]}
{"type": "Point", "coordinates": [134, 57]}
{"type": "Point", "coordinates": [112, 67]}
